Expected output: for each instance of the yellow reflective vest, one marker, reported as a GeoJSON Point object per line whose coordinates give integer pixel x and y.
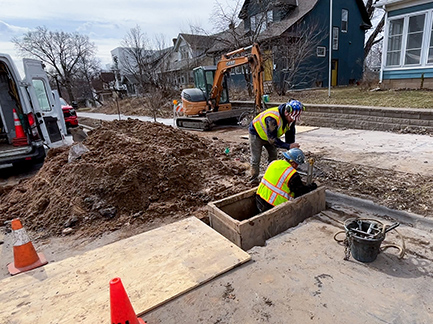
{"type": "Point", "coordinates": [274, 187]}
{"type": "Point", "coordinates": [260, 124]}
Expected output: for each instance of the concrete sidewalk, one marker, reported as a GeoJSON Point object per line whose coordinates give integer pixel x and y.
{"type": "Point", "coordinates": [401, 152]}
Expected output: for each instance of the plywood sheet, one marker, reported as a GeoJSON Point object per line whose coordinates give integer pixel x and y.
{"type": "Point", "coordinates": [155, 266]}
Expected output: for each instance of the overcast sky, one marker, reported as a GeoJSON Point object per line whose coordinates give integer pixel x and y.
{"type": "Point", "coordinates": [106, 22]}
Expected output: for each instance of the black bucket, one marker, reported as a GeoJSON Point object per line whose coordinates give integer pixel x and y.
{"type": "Point", "coordinates": [364, 238]}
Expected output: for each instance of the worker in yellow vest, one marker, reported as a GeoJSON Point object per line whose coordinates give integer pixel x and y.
{"type": "Point", "coordinates": [266, 129]}
{"type": "Point", "coordinates": [281, 182]}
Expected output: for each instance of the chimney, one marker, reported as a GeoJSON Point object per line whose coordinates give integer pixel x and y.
{"type": "Point", "coordinates": [174, 41]}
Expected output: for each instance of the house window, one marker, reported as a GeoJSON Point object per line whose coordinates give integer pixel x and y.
{"type": "Point", "coordinates": [405, 41]}
{"type": "Point", "coordinates": [183, 52]}
{"type": "Point", "coordinates": [414, 40]}
{"type": "Point", "coordinates": [430, 52]}
{"type": "Point", "coordinates": [253, 23]}
{"type": "Point", "coordinates": [335, 31]}
{"type": "Point", "coordinates": [395, 37]}
{"type": "Point", "coordinates": [258, 22]}
{"type": "Point", "coordinates": [321, 51]}
{"type": "Point", "coordinates": [344, 20]}
{"type": "Point", "coordinates": [269, 17]}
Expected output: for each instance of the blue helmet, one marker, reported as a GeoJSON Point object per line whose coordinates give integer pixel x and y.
{"type": "Point", "coordinates": [295, 155]}
{"type": "Point", "coordinates": [294, 106]}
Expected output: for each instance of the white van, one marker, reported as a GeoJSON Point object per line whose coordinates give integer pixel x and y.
{"type": "Point", "coordinates": [31, 117]}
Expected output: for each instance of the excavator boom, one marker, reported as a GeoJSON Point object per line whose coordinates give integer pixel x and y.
{"type": "Point", "coordinates": [232, 60]}
{"type": "Point", "coordinates": [208, 103]}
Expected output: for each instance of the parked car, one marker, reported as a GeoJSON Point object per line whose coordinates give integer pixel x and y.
{"type": "Point", "coordinates": [69, 113]}
{"type": "Point", "coordinates": [30, 116]}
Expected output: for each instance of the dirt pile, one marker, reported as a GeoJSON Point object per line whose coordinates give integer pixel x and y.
{"type": "Point", "coordinates": [386, 187]}
{"type": "Point", "coordinates": [395, 190]}
{"type": "Point", "coordinates": [134, 172]}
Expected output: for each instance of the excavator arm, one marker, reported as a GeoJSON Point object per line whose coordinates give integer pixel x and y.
{"type": "Point", "coordinates": [232, 60]}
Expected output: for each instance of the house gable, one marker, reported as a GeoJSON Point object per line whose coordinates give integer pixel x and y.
{"type": "Point", "coordinates": [290, 20]}
{"type": "Point", "coordinates": [277, 16]}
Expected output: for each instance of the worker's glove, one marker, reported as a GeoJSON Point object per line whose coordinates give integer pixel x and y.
{"type": "Point", "coordinates": [313, 186]}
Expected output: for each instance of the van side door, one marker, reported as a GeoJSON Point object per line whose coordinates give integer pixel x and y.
{"type": "Point", "coordinates": [47, 111]}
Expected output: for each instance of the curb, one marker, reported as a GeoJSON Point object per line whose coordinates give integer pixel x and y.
{"type": "Point", "coordinates": [417, 221]}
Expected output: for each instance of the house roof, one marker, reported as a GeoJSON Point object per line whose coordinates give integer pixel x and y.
{"type": "Point", "coordinates": [274, 30]}
{"type": "Point", "coordinates": [389, 3]}
{"type": "Point", "coordinates": [195, 41]}
{"type": "Point", "coordinates": [243, 13]}
{"type": "Point", "coordinates": [277, 28]}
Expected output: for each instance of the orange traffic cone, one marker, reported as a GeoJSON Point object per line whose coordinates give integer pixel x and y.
{"type": "Point", "coordinates": [25, 256]}
{"type": "Point", "coordinates": [20, 138]}
{"type": "Point", "coordinates": [121, 308]}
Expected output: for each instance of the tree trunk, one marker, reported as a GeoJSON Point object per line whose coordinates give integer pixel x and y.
{"type": "Point", "coordinates": [372, 39]}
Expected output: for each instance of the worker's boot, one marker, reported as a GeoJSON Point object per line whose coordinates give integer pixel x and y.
{"type": "Point", "coordinates": [254, 172]}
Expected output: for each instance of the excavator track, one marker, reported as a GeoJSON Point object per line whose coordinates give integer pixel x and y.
{"type": "Point", "coordinates": [193, 123]}
{"type": "Point", "coordinates": [207, 122]}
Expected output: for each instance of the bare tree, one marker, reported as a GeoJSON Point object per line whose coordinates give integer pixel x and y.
{"type": "Point", "coordinates": [230, 32]}
{"type": "Point", "coordinates": [60, 50]}
{"type": "Point", "coordinates": [376, 36]}
{"type": "Point", "coordinates": [160, 65]}
{"type": "Point", "coordinates": [225, 19]}
{"type": "Point", "coordinates": [88, 69]}
{"type": "Point", "coordinates": [137, 58]}
{"type": "Point", "coordinates": [293, 52]}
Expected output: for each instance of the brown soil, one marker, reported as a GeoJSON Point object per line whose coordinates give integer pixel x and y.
{"type": "Point", "coordinates": [135, 172]}
{"type": "Point", "coordinates": [396, 190]}
{"type": "Point", "coordinates": [141, 173]}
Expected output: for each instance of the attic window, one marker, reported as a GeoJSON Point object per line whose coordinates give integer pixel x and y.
{"type": "Point", "coordinates": [183, 53]}
{"type": "Point", "coordinates": [269, 17]}
{"type": "Point", "coordinates": [259, 22]}
{"type": "Point", "coordinates": [344, 20]}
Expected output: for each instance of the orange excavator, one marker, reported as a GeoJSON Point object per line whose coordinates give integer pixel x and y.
{"type": "Point", "coordinates": [208, 103]}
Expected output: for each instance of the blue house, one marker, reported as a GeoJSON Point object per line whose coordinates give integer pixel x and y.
{"type": "Point", "coordinates": [294, 38]}
{"type": "Point", "coordinates": [407, 59]}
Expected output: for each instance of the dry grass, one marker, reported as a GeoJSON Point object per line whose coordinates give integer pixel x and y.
{"type": "Point", "coordinates": [360, 97]}
{"type": "Point", "coordinates": [356, 95]}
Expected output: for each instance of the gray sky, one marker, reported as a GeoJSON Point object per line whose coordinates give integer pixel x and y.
{"type": "Point", "coordinates": [106, 22]}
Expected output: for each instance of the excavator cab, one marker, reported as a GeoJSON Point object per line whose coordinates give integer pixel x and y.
{"type": "Point", "coordinates": [203, 80]}
{"type": "Point", "coordinates": [197, 101]}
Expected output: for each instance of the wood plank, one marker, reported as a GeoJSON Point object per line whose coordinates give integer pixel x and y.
{"type": "Point", "coordinates": [155, 267]}
{"type": "Point", "coordinates": [224, 216]}
{"type": "Point", "coordinates": [280, 218]}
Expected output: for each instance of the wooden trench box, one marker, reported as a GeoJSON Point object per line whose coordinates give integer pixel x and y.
{"type": "Point", "coordinates": [238, 219]}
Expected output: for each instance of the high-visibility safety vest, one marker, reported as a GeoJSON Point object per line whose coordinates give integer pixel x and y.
{"type": "Point", "coordinates": [274, 187]}
{"type": "Point", "coordinates": [260, 125]}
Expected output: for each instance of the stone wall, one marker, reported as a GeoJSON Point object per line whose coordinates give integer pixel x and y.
{"type": "Point", "coordinates": [414, 120]}
{"type": "Point", "coordinates": [370, 118]}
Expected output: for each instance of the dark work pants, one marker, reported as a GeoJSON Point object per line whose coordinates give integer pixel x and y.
{"type": "Point", "coordinates": [262, 205]}
{"type": "Point", "coordinates": [256, 145]}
